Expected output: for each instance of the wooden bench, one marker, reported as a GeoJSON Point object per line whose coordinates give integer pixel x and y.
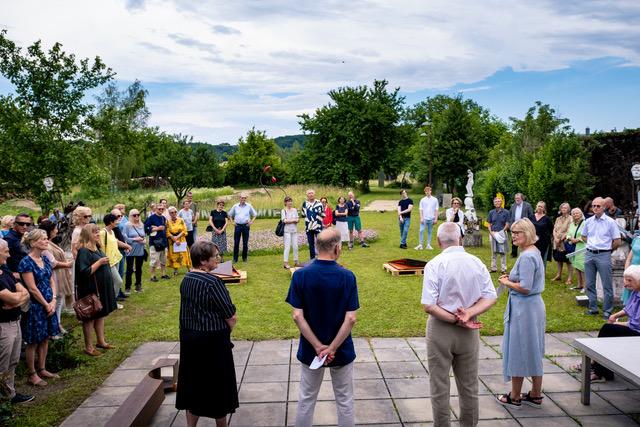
{"type": "Point", "coordinates": [143, 402]}
{"type": "Point", "coordinates": [619, 354]}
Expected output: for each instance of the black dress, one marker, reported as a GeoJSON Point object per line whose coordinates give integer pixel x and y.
{"type": "Point", "coordinates": [544, 231]}
{"type": "Point", "coordinates": [207, 378]}
{"type": "Point", "coordinates": [86, 282]}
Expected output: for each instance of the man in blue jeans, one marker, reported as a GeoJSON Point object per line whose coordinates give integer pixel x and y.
{"type": "Point", "coordinates": [242, 215]}
{"type": "Point", "coordinates": [428, 216]}
{"type": "Point", "coordinates": [602, 236]}
{"type": "Point", "coordinates": [405, 206]}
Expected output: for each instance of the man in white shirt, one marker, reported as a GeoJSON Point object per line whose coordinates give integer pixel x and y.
{"type": "Point", "coordinates": [602, 236]}
{"type": "Point", "coordinates": [428, 216]}
{"type": "Point", "coordinates": [242, 216]}
{"type": "Point", "coordinates": [456, 288]}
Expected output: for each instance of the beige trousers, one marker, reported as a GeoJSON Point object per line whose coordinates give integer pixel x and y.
{"type": "Point", "coordinates": [450, 346]}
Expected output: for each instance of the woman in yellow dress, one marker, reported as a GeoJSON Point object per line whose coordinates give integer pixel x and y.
{"type": "Point", "coordinates": [178, 255]}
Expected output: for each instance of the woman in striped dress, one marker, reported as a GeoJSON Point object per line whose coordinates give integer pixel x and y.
{"type": "Point", "coordinates": [207, 377]}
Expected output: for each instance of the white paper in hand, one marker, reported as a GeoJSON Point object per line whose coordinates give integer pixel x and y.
{"type": "Point", "coordinates": [317, 362]}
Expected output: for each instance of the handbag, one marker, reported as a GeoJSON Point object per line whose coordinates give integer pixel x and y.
{"type": "Point", "coordinates": [87, 307]}
{"type": "Point", "coordinates": [571, 247]}
{"type": "Point", "coordinates": [280, 228]}
{"type": "Point", "coordinates": [145, 255]}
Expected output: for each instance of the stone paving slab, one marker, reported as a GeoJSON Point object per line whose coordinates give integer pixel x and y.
{"type": "Point", "coordinates": [391, 387]}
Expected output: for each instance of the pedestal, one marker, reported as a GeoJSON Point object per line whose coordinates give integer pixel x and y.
{"type": "Point", "coordinates": [473, 240]}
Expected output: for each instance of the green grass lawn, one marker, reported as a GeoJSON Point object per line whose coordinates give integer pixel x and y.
{"type": "Point", "coordinates": [390, 306]}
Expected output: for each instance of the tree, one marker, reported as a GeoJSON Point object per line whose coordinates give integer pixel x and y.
{"type": "Point", "coordinates": [531, 147]}
{"type": "Point", "coordinates": [42, 125]}
{"type": "Point", "coordinates": [351, 137]}
{"type": "Point", "coordinates": [181, 164]}
{"type": "Point", "coordinates": [255, 151]}
{"type": "Point", "coordinates": [456, 135]}
{"type": "Point", "coordinates": [116, 129]}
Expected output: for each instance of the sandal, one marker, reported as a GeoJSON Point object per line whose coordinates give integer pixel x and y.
{"type": "Point", "coordinates": [556, 279]}
{"type": "Point", "coordinates": [568, 282]}
{"type": "Point", "coordinates": [597, 379]}
{"type": "Point", "coordinates": [534, 402]}
{"type": "Point", "coordinates": [508, 401]}
{"type": "Point", "coordinates": [43, 373]}
{"type": "Point", "coordinates": [105, 346]}
{"type": "Point", "coordinates": [287, 266]}
{"type": "Point", "coordinates": [40, 383]}
{"type": "Point", "coordinates": [94, 352]}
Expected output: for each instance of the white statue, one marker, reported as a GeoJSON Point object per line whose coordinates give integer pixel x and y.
{"type": "Point", "coordinates": [469, 183]}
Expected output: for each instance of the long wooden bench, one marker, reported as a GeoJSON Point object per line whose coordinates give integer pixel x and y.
{"type": "Point", "coordinates": [143, 402]}
{"type": "Point", "coordinates": [619, 354]}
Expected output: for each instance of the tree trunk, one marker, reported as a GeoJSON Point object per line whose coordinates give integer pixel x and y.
{"type": "Point", "coordinates": [364, 185]}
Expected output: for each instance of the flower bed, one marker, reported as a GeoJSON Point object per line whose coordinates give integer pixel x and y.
{"type": "Point", "coordinates": [266, 239]}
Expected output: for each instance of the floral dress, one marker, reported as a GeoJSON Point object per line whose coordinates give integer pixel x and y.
{"type": "Point", "coordinates": [38, 326]}
{"type": "Point", "coordinates": [177, 259]}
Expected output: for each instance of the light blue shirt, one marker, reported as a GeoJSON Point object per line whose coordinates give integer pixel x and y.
{"type": "Point", "coordinates": [518, 213]}
{"type": "Point", "coordinates": [242, 214]}
{"type": "Point", "coordinates": [600, 232]}
{"type": "Point", "coordinates": [187, 217]}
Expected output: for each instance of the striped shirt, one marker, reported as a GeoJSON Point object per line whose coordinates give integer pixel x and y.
{"type": "Point", "coordinates": [205, 303]}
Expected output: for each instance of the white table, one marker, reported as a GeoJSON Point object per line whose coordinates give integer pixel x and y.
{"type": "Point", "coordinates": [620, 354]}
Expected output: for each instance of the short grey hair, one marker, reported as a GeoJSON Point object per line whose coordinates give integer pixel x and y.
{"type": "Point", "coordinates": [633, 271]}
{"type": "Point", "coordinates": [449, 233]}
{"type": "Point", "coordinates": [577, 210]}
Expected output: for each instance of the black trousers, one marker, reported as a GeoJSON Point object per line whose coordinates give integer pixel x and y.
{"type": "Point", "coordinates": [311, 239]}
{"type": "Point", "coordinates": [611, 330]}
{"type": "Point", "coordinates": [241, 230]}
{"type": "Point", "coordinates": [131, 261]}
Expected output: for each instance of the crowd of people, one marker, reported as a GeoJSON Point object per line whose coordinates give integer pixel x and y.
{"type": "Point", "coordinates": [40, 277]}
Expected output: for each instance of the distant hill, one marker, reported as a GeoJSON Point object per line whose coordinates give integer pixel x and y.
{"type": "Point", "coordinates": [287, 142]}
{"type": "Point", "coordinates": [224, 150]}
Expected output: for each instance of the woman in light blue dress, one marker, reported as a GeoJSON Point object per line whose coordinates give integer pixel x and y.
{"type": "Point", "coordinates": [524, 320]}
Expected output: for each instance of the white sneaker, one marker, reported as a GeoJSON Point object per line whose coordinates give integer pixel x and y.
{"type": "Point", "coordinates": [429, 247]}
{"type": "Point", "coordinates": [418, 248]}
{"type": "Point", "coordinates": [120, 306]}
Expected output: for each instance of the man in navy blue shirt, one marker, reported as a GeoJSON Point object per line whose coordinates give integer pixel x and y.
{"type": "Point", "coordinates": [324, 297]}
{"type": "Point", "coordinates": [22, 224]}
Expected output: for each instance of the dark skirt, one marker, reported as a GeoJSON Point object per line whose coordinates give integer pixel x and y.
{"type": "Point", "coordinates": [207, 376]}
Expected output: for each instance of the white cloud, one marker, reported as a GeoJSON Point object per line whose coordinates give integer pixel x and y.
{"type": "Point", "coordinates": [310, 47]}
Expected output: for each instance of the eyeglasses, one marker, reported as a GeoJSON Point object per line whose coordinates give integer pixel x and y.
{"type": "Point", "coordinates": [23, 224]}
{"type": "Point", "coordinates": [456, 203]}
{"type": "Point", "coordinates": [516, 232]}
{"type": "Point", "coordinates": [596, 206]}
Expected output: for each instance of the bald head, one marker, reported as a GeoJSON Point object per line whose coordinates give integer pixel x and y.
{"type": "Point", "coordinates": [328, 244]}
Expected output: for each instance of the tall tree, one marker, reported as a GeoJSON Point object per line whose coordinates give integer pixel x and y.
{"type": "Point", "coordinates": [49, 108]}
{"type": "Point", "coordinates": [351, 137]}
{"type": "Point", "coordinates": [116, 129]}
{"type": "Point", "coordinates": [456, 135]}
{"type": "Point", "coordinates": [255, 151]}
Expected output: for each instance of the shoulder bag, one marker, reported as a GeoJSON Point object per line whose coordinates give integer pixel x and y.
{"type": "Point", "coordinates": [87, 307]}
{"type": "Point", "coordinates": [571, 247]}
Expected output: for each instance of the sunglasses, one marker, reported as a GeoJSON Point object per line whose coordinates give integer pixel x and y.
{"type": "Point", "coordinates": [118, 216]}
{"type": "Point", "coordinates": [134, 215]}
{"type": "Point", "coordinates": [87, 216]}
{"type": "Point", "coordinates": [596, 206]}
{"type": "Point", "coordinates": [456, 203]}
{"type": "Point", "coordinates": [23, 224]}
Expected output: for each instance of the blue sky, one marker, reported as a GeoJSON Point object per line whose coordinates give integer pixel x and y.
{"type": "Point", "coordinates": [216, 69]}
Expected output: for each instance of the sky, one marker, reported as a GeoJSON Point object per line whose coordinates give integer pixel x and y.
{"type": "Point", "coordinates": [215, 69]}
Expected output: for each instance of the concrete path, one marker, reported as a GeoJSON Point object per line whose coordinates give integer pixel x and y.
{"type": "Point", "coordinates": [382, 205]}
{"type": "Point", "coordinates": [391, 387]}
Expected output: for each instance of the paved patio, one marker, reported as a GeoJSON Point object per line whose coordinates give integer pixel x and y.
{"type": "Point", "coordinates": [391, 387]}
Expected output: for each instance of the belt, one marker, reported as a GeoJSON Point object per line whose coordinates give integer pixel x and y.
{"type": "Point", "coordinates": [598, 251]}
